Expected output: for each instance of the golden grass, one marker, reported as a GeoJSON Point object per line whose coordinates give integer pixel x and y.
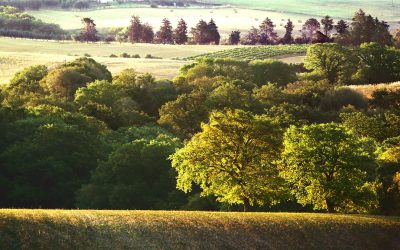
{"type": "Point", "coordinates": [367, 90]}
{"type": "Point", "coordinates": [89, 229]}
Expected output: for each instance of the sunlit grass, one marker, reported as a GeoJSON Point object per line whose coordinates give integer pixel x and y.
{"type": "Point", "coordinates": [90, 229]}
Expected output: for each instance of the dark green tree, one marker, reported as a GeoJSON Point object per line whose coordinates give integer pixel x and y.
{"type": "Point", "coordinates": [135, 30]}
{"type": "Point", "coordinates": [165, 35]}
{"type": "Point", "coordinates": [288, 37]}
{"type": "Point", "coordinates": [234, 37]}
{"type": "Point", "coordinates": [180, 33]}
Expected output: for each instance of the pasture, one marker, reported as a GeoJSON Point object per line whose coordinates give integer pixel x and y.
{"type": "Point", "coordinates": [83, 229]}
{"type": "Point", "coordinates": [16, 54]}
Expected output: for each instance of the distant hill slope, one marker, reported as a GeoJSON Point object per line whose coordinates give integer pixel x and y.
{"type": "Point", "coordinates": [79, 229]}
{"type": "Point", "coordinates": [336, 8]}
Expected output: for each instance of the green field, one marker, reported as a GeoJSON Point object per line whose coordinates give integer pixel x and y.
{"type": "Point", "coordinates": [258, 52]}
{"type": "Point", "coordinates": [80, 229]}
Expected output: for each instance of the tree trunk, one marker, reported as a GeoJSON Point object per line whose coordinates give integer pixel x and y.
{"type": "Point", "coordinates": [330, 206]}
{"type": "Point", "coordinates": [246, 205]}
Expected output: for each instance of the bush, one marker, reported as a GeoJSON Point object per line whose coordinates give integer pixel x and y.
{"type": "Point", "coordinates": [113, 56]}
{"type": "Point", "coordinates": [342, 97]}
{"type": "Point", "coordinates": [125, 55]}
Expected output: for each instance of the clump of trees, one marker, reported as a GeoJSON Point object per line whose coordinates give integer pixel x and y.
{"type": "Point", "coordinates": [233, 135]}
{"type": "Point", "coordinates": [15, 23]}
{"type": "Point", "coordinates": [371, 63]}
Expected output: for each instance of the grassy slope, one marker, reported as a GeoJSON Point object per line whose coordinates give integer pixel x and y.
{"type": "Point", "coordinates": [367, 90]}
{"type": "Point", "coordinates": [80, 229]}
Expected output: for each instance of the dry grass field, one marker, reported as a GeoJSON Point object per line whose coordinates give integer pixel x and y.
{"type": "Point", "coordinates": [367, 90]}
{"type": "Point", "coordinates": [83, 229]}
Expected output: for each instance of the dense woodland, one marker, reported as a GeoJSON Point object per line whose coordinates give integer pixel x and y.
{"type": "Point", "coordinates": [223, 135]}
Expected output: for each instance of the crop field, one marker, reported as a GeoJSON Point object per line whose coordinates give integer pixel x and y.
{"type": "Point", "coordinates": [16, 54]}
{"type": "Point", "coordinates": [258, 52]}
{"type": "Point", "coordinates": [83, 229]}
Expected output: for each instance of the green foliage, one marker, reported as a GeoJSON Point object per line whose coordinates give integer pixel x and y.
{"type": "Point", "coordinates": [25, 85]}
{"type": "Point", "coordinates": [377, 64]}
{"type": "Point", "coordinates": [66, 79]}
{"type": "Point", "coordinates": [342, 97]}
{"type": "Point", "coordinates": [233, 159]}
{"type": "Point", "coordinates": [378, 126]}
{"type": "Point", "coordinates": [15, 23]}
{"type": "Point", "coordinates": [47, 155]}
{"type": "Point", "coordinates": [109, 103]}
{"type": "Point", "coordinates": [327, 166]}
{"type": "Point", "coordinates": [256, 53]}
{"type": "Point", "coordinates": [136, 174]}
{"type": "Point", "coordinates": [258, 72]}
{"type": "Point", "coordinates": [332, 60]}
{"type": "Point", "coordinates": [388, 176]}
{"type": "Point", "coordinates": [184, 115]}
{"type": "Point", "coordinates": [276, 72]}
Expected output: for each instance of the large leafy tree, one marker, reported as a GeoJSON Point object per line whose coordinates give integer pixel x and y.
{"type": "Point", "coordinates": [232, 158]}
{"type": "Point", "coordinates": [378, 64]}
{"type": "Point", "coordinates": [327, 167]}
{"type": "Point", "coordinates": [333, 61]}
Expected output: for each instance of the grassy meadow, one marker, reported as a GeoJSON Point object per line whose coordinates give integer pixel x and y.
{"type": "Point", "coordinates": [16, 54]}
{"type": "Point", "coordinates": [89, 229]}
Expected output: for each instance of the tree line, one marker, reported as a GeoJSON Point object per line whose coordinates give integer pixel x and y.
{"type": "Point", "coordinates": [232, 135]}
{"type": "Point", "coordinates": [363, 28]}
{"type": "Point", "coordinates": [15, 23]}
